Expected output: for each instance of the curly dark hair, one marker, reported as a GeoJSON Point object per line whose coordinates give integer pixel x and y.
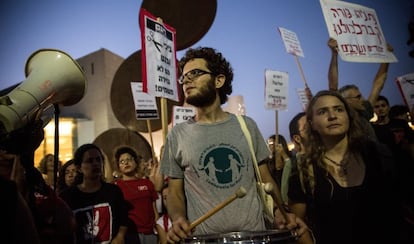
{"type": "Point", "coordinates": [216, 63]}
{"type": "Point", "coordinates": [126, 149]}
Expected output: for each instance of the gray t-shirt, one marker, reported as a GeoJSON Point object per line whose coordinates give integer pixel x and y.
{"type": "Point", "coordinates": [215, 161]}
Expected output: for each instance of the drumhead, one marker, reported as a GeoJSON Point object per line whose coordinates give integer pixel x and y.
{"type": "Point", "coordinates": [268, 236]}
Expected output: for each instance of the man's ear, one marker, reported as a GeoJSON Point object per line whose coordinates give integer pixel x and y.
{"type": "Point", "coordinates": [220, 80]}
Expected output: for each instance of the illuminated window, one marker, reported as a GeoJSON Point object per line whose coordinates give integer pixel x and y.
{"type": "Point", "coordinates": [67, 137]}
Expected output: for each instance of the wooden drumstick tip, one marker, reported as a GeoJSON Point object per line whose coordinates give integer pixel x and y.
{"type": "Point", "coordinates": [268, 187]}
{"type": "Point", "coordinates": [241, 192]}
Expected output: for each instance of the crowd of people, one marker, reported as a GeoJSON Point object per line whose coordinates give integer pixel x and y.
{"type": "Point", "coordinates": [346, 181]}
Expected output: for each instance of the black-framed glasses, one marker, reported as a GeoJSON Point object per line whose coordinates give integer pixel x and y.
{"type": "Point", "coordinates": [192, 75]}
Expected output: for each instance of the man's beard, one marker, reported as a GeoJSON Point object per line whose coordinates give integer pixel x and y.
{"type": "Point", "coordinates": [205, 97]}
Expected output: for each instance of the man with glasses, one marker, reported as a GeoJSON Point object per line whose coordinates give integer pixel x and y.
{"type": "Point", "coordinates": [214, 137]}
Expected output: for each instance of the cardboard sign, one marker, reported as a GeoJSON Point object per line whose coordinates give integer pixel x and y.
{"type": "Point", "coordinates": [291, 41]}
{"type": "Point", "coordinates": [358, 32]}
{"type": "Point", "coordinates": [159, 62]}
{"type": "Point", "coordinates": [406, 85]}
{"type": "Point", "coordinates": [276, 90]}
{"type": "Point", "coordinates": [145, 104]}
{"type": "Point", "coordinates": [182, 114]}
{"type": "Point", "coordinates": [302, 98]}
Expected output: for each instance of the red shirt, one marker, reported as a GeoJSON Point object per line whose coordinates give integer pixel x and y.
{"type": "Point", "coordinates": [140, 196]}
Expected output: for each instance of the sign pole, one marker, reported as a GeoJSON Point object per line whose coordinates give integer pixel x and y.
{"type": "Point", "coordinates": [300, 70]}
{"type": "Point", "coordinates": [276, 132]}
{"type": "Point", "coordinates": [151, 140]}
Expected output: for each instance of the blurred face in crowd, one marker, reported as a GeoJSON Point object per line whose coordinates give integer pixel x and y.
{"type": "Point", "coordinates": [354, 98]}
{"type": "Point", "coordinates": [70, 174]}
{"type": "Point", "coordinates": [381, 108]}
{"type": "Point", "coordinates": [299, 139]}
{"type": "Point", "coordinates": [92, 164]}
{"type": "Point", "coordinates": [271, 145]}
{"type": "Point", "coordinates": [6, 164]}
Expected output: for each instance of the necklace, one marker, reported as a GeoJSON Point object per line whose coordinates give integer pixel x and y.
{"type": "Point", "coordinates": [343, 167]}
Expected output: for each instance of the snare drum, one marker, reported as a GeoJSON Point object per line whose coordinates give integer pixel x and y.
{"type": "Point", "coordinates": [268, 236]}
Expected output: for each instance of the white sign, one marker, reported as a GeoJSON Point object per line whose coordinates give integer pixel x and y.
{"type": "Point", "coordinates": [406, 85]}
{"type": "Point", "coordinates": [276, 90]}
{"type": "Point", "coordinates": [291, 42]}
{"type": "Point", "coordinates": [145, 104]}
{"type": "Point", "coordinates": [182, 114]}
{"type": "Point", "coordinates": [358, 32]}
{"type": "Point", "coordinates": [303, 98]}
{"type": "Point", "coordinates": [235, 105]}
{"type": "Point", "coordinates": [159, 60]}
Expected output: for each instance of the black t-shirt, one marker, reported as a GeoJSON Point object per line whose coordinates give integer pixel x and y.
{"type": "Point", "coordinates": [349, 215]}
{"type": "Point", "coordinates": [99, 214]}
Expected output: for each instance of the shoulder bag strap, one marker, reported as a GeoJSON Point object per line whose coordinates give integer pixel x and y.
{"type": "Point", "coordinates": [249, 141]}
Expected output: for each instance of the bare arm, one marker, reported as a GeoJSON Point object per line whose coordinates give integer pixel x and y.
{"type": "Point", "coordinates": [155, 174]}
{"type": "Point", "coordinates": [333, 65]}
{"type": "Point", "coordinates": [378, 83]}
{"type": "Point", "coordinates": [379, 80]}
{"type": "Point", "coordinates": [120, 236]}
{"type": "Point", "coordinates": [154, 207]}
{"type": "Point", "coordinates": [299, 209]}
{"type": "Point", "coordinates": [267, 178]}
{"type": "Point", "coordinates": [176, 199]}
{"type": "Point", "coordinates": [177, 211]}
{"type": "Point", "coordinates": [162, 235]}
{"type": "Point", "coordinates": [295, 222]}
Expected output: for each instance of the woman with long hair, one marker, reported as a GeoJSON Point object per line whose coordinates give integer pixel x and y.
{"type": "Point", "coordinates": [344, 183]}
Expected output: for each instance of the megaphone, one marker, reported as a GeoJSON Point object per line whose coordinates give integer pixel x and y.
{"type": "Point", "coordinates": [52, 77]}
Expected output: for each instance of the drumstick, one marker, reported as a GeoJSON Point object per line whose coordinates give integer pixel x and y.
{"type": "Point", "coordinates": [241, 192]}
{"type": "Point", "coordinates": [269, 188]}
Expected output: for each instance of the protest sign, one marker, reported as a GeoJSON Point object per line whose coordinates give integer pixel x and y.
{"type": "Point", "coordinates": [357, 31]}
{"type": "Point", "coordinates": [303, 98]}
{"type": "Point", "coordinates": [159, 60]}
{"type": "Point", "coordinates": [182, 114]}
{"type": "Point", "coordinates": [276, 90]}
{"type": "Point", "coordinates": [145, 104]}
{"type": "Point", "coordinates": [291, 41]}
{"type": "Point", "coordinates": [406, 85]}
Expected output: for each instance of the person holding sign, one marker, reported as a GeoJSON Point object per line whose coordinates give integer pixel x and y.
{"type": "Point", "coordinates": [343, 186]}
{"type": "Point", "coordinates": [278, 157]}
{"type": "Point", "coordinates": [351, 92]}
{"type": "Point", "coordinates": [200, 155]}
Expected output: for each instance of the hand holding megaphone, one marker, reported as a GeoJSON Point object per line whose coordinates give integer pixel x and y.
{"type": "Point", "coordinates": [24, 140]}
{"type": "Point", "coordinates": [52, 77]}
